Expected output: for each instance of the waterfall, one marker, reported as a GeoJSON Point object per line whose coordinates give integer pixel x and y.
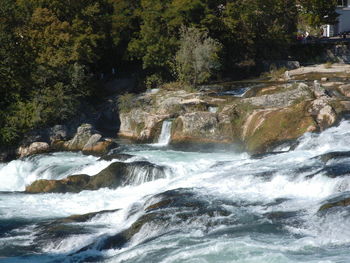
{"type": "Point", "coordinates": [165, 134]}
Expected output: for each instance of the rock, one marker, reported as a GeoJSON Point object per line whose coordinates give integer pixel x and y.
{"type": "Point", "coordinates": [203, 127]}
{"type": "Point", "coordinates": [333, 155]}
{"type": "Point", "coordinates": [336, 203]}
{"type": "Point", "coordinates": [58, 132]}
{"type": "Point", "coordinates": [55, 231]}
{"type": "Point", "coordinates": [71, 184]}
{"type": "Point", "coordinates": [324, 113]}
{"type": "Point", "coordinates": [345, 90]}
{"type": "Point", "coordinates": [264, 128]}
{"type": "Point", "coordinates": [115, 175]}
{"type": "Point", "coordinates": [282, 99]}
{"type": "Point", "coordinates": [324, 79]}
{"type": "Point", "coordinates": [7, 154]}
{"type": "Point", "coordinates": [171, 210]}
{"type": "Point", "coordinates": [119, 156]}
{"type": "Point", "coordinates": [100, 148]}
{"type": "Point", "coordinates": [318, 90]}
{"type": "Point", "coordinates": [140, 125]}
{"type": "Point", "coordinates": [84, 217]}
{"type": "Point", "coordinates": [34, 148]}
{"type": "Point", "coordinates": [92, 141]}
{"type": "Point", "coordinates": [81, 138]}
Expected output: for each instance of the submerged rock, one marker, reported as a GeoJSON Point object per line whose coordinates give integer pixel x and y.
{"type": "Point", "coordinates": [55, 231]}
{"type": "Point", "coordinates": [115, 175]}
{"type": "Point", "coordinates": [170, 210]}
{"type": "Point", "coordinates": [333, 155]}
{"type": "Point", "coordinates": [336, 203]}
{"type": "Point", "coordinates": [119, 156]}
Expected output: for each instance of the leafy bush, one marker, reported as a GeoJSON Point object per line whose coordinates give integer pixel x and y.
{"type": "Point", "coordinates": [198, 56]}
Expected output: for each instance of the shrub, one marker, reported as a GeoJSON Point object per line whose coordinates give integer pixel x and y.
{"type": "Point", "coordinates": [197, 59]}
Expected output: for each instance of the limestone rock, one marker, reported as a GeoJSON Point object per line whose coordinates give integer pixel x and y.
{"type": "Point", "coordinates": [345, 90]}
{"type": "Point", "coordinates": [81, 138]}
{"type": "Point", "coordinates": [34, 148]}
{"type": "Point", "coordinates": [99, 147]}
{"type": "Point", "coordinates": [263, 128]}
{"type": "Point", "coordinates": [202, 127]}
{"type": "Point", "coordinates": [324, 113]}
{"type": "Point", "coordinates": [282, 99]}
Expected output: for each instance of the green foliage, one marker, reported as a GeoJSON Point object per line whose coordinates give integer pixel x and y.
{"type": "Point", "coordinates": [318, 12]}
{"type": "Point", "coordinates": [198, 56]}
{"type": "Point", "coordinates": [153, 81]}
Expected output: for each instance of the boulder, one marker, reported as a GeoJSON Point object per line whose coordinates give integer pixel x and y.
{"type": "Point", "coordinates": [7, 154]}
{"type": "Point", "coordinates": [81, 138]}
{"type": "Point", "coordinates": [203, 127]}
{"type": "Point", "coordinates": [33, 148]}
{"type": "Point", "coordinates": [54, 231]}
{"type": "Point", "coordinates": [341, 202]}
{"type": "Point", "coordinates": [281, 99]}
{"type": "Point", "coordinates": [171, 210]}
{"type": "Point", "coordinates": [345, 90]}
{"type": "Point", "coordinates": [264, 128]}
{"type": "Point", "coordinates": [323, 112]}
{"type": "Point", "coordinates": [115, 175]}
{"type": "Point", "coordinates": [71, 184]}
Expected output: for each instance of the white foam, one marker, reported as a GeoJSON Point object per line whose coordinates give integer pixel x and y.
{"type": "Point", "coordinates": [17, 174]}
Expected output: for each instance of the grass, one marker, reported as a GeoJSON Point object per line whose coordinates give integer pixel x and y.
{"type": "Point", "coordinates": [275, 73]}
{"type": "Point", "coordinates": [126, 102]}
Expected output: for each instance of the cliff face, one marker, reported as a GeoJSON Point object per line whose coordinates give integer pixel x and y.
{"type": "Point", "coordinates": [270, 112]}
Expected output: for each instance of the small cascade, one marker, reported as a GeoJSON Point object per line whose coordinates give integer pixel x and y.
{"type": "Point", "coordinates": [165, 134]}
{"type": "Point", "coordinates": [142, 172]}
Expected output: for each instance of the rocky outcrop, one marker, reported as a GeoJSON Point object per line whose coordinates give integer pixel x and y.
{"type": "Point", "coordinates": [281, 99]}
{"type": "Point", "coordinates": [34, 148]}
{"type": "Point", "coordinates": [264, 128]}
{"type": "Point", "coordinates": [86, 139]}
{"type": "Point", "coordinates": [271, 115]}
{"type": "Point", "coordinates": [345, 90]}
{"type": "Point", "coordinates": [115, 175]}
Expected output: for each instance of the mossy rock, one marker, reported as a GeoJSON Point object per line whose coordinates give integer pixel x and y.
{"type": "Point", "coordinates": [278, 126]}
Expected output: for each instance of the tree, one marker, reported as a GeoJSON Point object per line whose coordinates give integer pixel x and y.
{"type": "Point", "coordinates": [198, 56]}
{"type": "Point", "coordinates": [318, 12]}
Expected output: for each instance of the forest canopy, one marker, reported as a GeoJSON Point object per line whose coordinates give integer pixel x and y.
{"type": "Point", "coordinates": [53, 52]}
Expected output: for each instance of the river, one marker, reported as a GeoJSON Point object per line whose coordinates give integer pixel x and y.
{"type": "Point", "coordinates": [217, 206]}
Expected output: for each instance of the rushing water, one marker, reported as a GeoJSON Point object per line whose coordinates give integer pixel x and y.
{"type": "Point", "coordinates": [165, 134]}
{"type": "Point", "coordinates": [227, 207]}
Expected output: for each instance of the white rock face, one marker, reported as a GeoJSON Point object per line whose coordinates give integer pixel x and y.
{"type": "Point", "coordinates": [34, 148]}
